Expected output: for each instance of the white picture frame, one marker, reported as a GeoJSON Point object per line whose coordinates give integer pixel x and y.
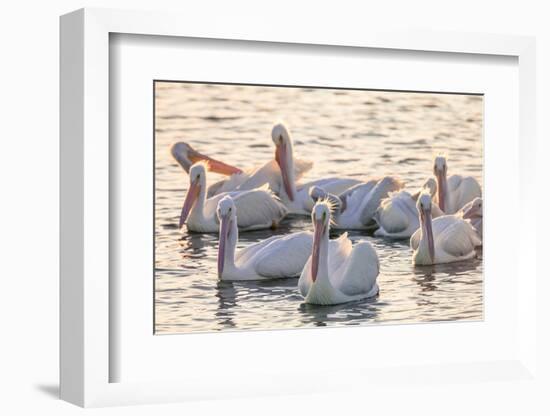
{"type": "Point", "coordinates": [86, 356]}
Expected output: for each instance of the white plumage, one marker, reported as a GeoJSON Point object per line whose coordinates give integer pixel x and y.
{"type": "Point", "coordinates": [281, 174]}
{"type": "Point", "coordinates": [238, 179]}
{"type": "Point", "coordinates": [259, 208]}
{"type": "Point", "coordinates": [269, 173]}
{"type": "Point", "coordinates": [296, 196]}
{"type": "Point", "coordinates": [455, 191]}
{"type": "Point", "coordinates": [473, 213]}
{"type": "Point", "coordinates": [445, 239]}
{"type": "Point", "coordinates": [337, 272]}
{"type": "Point", "coordinates": [275, 257]}
{"type": "Point", "coordinates": [355, 208]}
{"type": "Point", "coordinates": [397, 216]}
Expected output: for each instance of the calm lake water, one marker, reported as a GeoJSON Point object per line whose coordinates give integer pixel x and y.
{"type": "Point", "coordinates": [360, 134]}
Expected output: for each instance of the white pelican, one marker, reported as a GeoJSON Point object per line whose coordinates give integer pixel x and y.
{"type": "Point", "coordinates": [445, 239]}
{"type": "Point", "coordinates": [455, 191]}
{"type": "Point", "coordinates": [275, 257]}
{"type": "Point", "coordinates": [296, 196]}
{"type": "Point", "coordinates": [355, 208]}
{"type": "Point", "coordinates": [336, 272]}
{"type": "Point", "coordinates": [259, 208]}
{"type": "Point", "coordinates": [397, 216]}
{"type": "Point", "coordinates": [473, 213]}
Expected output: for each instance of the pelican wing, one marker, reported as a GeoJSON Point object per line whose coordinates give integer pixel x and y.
{"type": "Point", "coordinates": [396, 213]}
{"type": "Point", "coordinates": [269, 173]}
{"type": "Point", "coordinates": [364, 200]}
{"type": "Point", "coordinates": [304, 283]}
{"type": "Point", "coordinates": [462, 190]}
{"type": "Point", "coordinates": [415, 239]}
{"type": "Point", "coordinates": [243, 256]}
{"type": "Point", "coordinates": [284, 256]}
{"type": "Point", "coordinates": [354, 195]}
{"type": "Point", "coordinates": [438, 227]}
{"type": "Point", "coordinates": [454, 182]}
{"type": "Point", "coordinates": [227, 185]}
{"type": "Point", "coordinates": [477, 223]}
{"type": "Point", "coordinates": [251, 179]}
{"type": "Point", "coordinates": [357, 275]}
{"type": "Point", "coordinates": [456, 237]}
{"type": "Point", "coordinates": [258, 207]}
{"type": "Point", "coordinates": [338, 252]}
{"type": "Point", "coordinates": [331, 185]}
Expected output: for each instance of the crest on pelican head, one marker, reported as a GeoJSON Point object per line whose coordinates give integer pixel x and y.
{"type": "Point", "coordinates": [326, 202]}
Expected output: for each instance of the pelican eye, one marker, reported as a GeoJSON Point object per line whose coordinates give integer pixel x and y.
{"type": "Point", "coordinates": [324, 216]}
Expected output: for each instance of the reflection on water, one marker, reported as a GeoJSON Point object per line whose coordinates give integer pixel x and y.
{"type": "Point", "coordinates": [354, 133]}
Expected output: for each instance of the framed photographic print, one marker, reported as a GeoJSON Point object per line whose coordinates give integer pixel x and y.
{"type": "Point", "coordinates": [289, 211]}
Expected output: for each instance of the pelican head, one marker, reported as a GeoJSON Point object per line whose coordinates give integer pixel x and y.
{"type": "Point", "coordinates": [424, 206]}
{"type": "Point", "coordinates": [320, 217]}
{"type": "Point", "coordinates": [197, 182]}
{"type": "Point", "coordinates": [226, 208]}
{"type": "Point", "coordinates": [440, 172]}
{"type": "Point", "coordinates": [186, 156]}
{"type": "Point", "coordinates": [336, 205]}
{"type": "Point", "coordinates": [283, 155]}
{"type": "Point", "coordinates": [473, 209]}
{"type": "Point", "coordinates": [430, 186]}
{"type": "Point", "coordinates": [227, 215]}
{"type": "Point", "coordinates": [316, 193]}
{"type": "Point", "coordinates": [440, 165]}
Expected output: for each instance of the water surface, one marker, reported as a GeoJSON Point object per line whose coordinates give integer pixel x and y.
{"type": "Point", "coordinates": [361, 134]}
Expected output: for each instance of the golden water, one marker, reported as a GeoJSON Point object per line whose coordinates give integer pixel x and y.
{"type": "Point", "coordinates": [346, 133]}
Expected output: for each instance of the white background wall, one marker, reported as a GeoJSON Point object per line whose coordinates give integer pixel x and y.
{"type": "Point", "coordinates": [29, 57]}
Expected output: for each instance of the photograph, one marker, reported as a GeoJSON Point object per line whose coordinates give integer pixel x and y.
{"type": "Point", "coordinates": [293, 207]}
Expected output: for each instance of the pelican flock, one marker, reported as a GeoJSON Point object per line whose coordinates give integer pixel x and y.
{"type": "Point", "coordinates": [282, 173]}
{"type": "Point", "coordinates": [442, 220]}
